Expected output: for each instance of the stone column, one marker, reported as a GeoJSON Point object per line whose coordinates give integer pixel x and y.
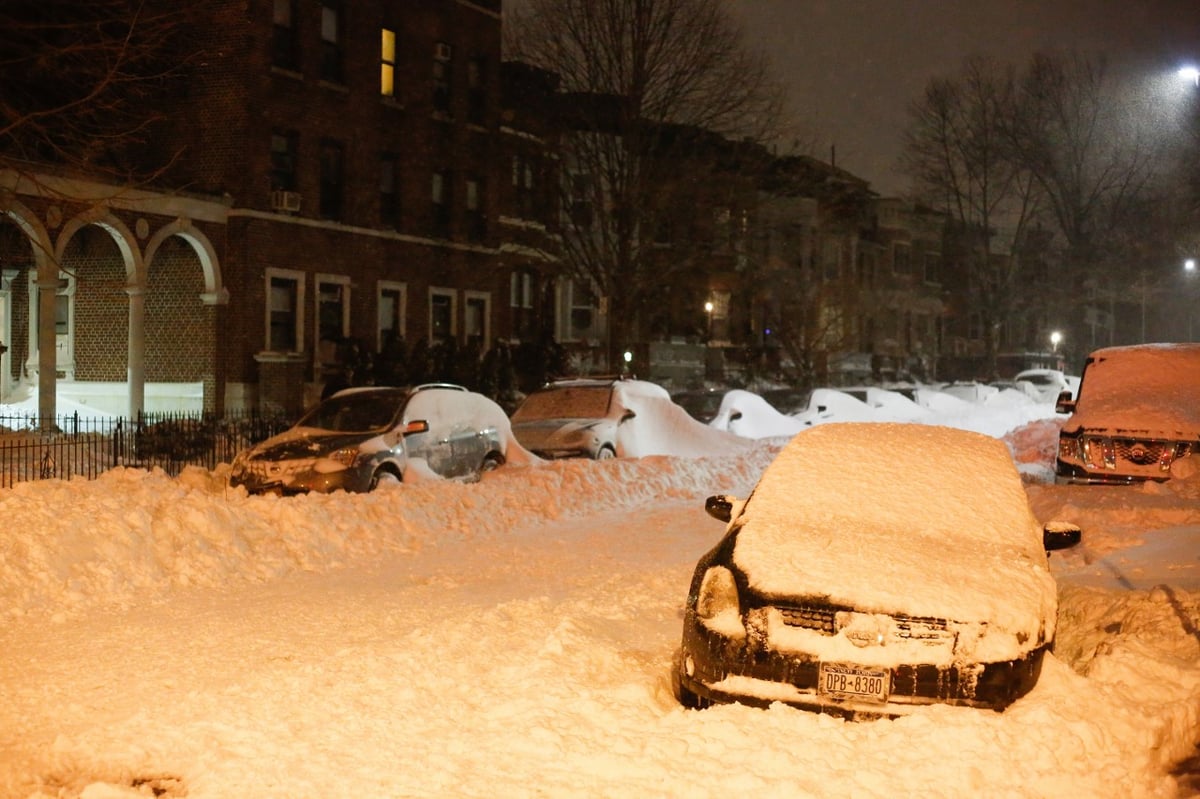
{"type": "Point", "coordinates": [137, 350]}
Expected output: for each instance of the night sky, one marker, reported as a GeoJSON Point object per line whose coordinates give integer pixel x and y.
{"type": "Point", "coordinates": [852, 67]}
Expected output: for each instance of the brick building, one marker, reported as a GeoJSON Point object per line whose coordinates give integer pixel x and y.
{"type": "Point", "coordinates": [343, 179]}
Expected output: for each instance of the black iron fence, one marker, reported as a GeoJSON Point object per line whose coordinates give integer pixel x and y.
{"type": "Point", "coordinates": [74, 446]}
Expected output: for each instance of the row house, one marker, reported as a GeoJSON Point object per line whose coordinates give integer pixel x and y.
{"type": "Point", "coordinates": [345, 180]}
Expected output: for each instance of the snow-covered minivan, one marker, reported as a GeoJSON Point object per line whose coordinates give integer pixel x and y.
{"type": "Point", "coordinates": [1136, 416]}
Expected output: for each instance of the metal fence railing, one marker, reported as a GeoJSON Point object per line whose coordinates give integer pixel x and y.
{"type": "Point", "coordinates": [75, 446]}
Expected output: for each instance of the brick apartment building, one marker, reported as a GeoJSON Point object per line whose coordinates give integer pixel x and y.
{"type": "Point", "coordinates": [358, 176]}
{"type": "Point", "coordinates": [341, 172]}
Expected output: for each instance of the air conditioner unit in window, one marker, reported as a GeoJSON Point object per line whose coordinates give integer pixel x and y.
{"type": "Point", "coordinates": [442, 51]}
{"type": "Point", "coordinates": [285, 201]}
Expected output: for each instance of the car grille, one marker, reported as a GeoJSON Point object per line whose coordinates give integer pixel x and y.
{"type": "Point", "coordinates": [1133, 456]}
{"type": "Point", "coordinates": [810, 617]}
{"type": "Point", "coordinates": [823, 619]}
{"type": "Point", "coordinates": [1142, 453]}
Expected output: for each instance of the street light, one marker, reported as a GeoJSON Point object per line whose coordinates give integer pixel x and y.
{"type": "Point", "coordinates": [1190, 73]}
{"type": "Point", "coordinates": [1189, 269]}
{"type": "Point", "coordinates": [1055, 340]}
{"type": "Point", "coordinates": [708, 309]}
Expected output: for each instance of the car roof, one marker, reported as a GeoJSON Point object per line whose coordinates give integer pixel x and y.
{"type": "Point", "coordinates": [1141, 388]}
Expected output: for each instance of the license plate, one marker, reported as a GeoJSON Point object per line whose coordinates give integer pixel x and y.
{"type": "Point", "coordinates": [853, 682]}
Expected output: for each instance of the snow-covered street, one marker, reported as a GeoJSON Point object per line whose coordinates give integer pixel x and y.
{"type": "Point", "coordinates": [514, 637]}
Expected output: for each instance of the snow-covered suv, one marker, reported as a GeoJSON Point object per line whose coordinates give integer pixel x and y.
{"type": "Point", "coordinates": [1136, 417]}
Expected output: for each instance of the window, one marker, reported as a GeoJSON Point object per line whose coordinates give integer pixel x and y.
{"type": "Point", "coordinates": [477, 91]}
{"type": "Point", "coordinates": [440, 198]}
{"type": "Point", "coordinates": [521, 289]}
{"type": "Point", "coordinates": [333, 315]}
{"type": "Point", "coordinates": [476, 319]}
{"type": "Point", "coordinates": [520, 299]}
{"type": "Point", "coordinates": [441, 315]}
{"type": "Point", "coordinates": [387, 64]}
{"type": "Point", "coordinates": [476, 222]}
{"type": "Point", "coordinates": [721, 228]}
{"type": "Point", "coordinates": [902, 259]}
{"type": "Point", "coordinates": [283, 161]}
{"type": "Point", "coordinates": [581, 200]}
{"type": "Point", "coordinates": [331, 41]}
{"type": "Point", "coordinates": [831, 259]}
{"type": "Point", "coordinates": [523, 172]}
{"type": "Point", "coordinates": [933, 267]}
{"type": "Point", "coordinates": [391, 301]}
{"type": "Point", "coordinates": [283, 35]}
{"type": "Point", "coordinates": [441, 77]}
{"type": "Point", "coordinates": [285, 296]}
{"type": "Point", "coordinates": [389, 197]}
{"type": "Point", "coordinates": [332, 159]}
{"type": "Point", "coordinates": [718, 318]}
{"type": "Point", "coordinates": [578, 319]}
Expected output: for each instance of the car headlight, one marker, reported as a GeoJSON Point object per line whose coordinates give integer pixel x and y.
{"type": "Point", "coordinates": [717, 600]}
{"type": "Point", "coordinates": [1099, 453]}
{"type": "Point", "coordinates": [346, 456]}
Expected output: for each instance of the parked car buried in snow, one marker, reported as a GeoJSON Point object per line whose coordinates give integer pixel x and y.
{"type": "Point", "coordinates": [912, 573]}
{"type": "Point", "coordinates": [361, 437]}
{"type": "Point", "coordinates": [1136, 416]}
{"type": "Point", "coordinates": [574, 418]}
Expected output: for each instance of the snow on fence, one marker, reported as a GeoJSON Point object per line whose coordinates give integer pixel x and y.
{"type": "Point", "coordinates": [73, 446]}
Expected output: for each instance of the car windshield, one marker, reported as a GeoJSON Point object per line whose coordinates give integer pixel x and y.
{"type": "Point", "coordinates": [354, 412]}
{"type": "Point", "coordinates": [567, 402]}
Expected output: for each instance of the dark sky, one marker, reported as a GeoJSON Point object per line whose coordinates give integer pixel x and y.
{"type": "Point", "coordinates": [852, 67]}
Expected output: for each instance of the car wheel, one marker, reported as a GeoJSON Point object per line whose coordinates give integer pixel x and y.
{"type": "Point", "coordinates": [605, 452]}
{"type": "Point", "coordinates": [383, 477]}
{"type": "Point", "coordinates": [491, 462]}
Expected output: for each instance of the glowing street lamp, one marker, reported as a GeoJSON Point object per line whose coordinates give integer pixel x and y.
{"type": "Point", "coordinates": [1191, 74]}
{"type": "Point", "coordinates": [1055, 340]}
{"type": "Point", "coordinates": [1189, 268]}
{"type": "Point", "coordinates": [708, 309]}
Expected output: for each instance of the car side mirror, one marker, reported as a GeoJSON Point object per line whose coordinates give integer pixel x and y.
{"type": "Point", "coordinates": [418, 426]}
{"type": "Point", "coordinates": [1060, 535]}
{"type": "Point", "coordinates": [1064, 403]}
{"type": "Point", "coordinates": [720, 507]}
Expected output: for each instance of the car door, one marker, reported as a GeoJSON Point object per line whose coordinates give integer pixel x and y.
{"type": "Point", "coordinates": [448, 442]}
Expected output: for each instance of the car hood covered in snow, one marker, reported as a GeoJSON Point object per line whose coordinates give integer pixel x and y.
{"type": "Point", "coordinates": [890, 518]}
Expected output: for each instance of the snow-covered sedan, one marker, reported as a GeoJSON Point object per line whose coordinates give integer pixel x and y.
{"type": "Point", "coordinates": [573, 418]}
{"type": "Point", "coordinates": [361, 437]}
{"type": "Point", "coordinates": [874, 568]}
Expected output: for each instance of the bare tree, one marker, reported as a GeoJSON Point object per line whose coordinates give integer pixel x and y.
{"type": "Point", "coordinates": [1096, 160]}
{"type": "Point", "coordinates": [958, 149]}
{"type": "Point", "coordinates": [643, 76]}
{"type": "Point", "coordinates": [79, 82]}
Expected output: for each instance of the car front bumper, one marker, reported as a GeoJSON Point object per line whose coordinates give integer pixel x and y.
{"type": "Point", "coordinates": [259, 480]}
{"type": "Point", "coordinates": [718, 669]}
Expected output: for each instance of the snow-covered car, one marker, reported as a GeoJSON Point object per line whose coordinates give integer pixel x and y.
{"type": "Point", "coordinates": [702, 404]}
{"type": "Point", "coordinates": [913, 573]}
{"type": "Point", "coordinates": [1045, 385]}
{"type": "Point", "coordinates": [361, 437]}
{"type": "Point", "coordinates": [836, 405]}
{"type": "Point", "coordinates": [1136, 416]}
{"type": "Point", "coordinates": [576, 418]}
